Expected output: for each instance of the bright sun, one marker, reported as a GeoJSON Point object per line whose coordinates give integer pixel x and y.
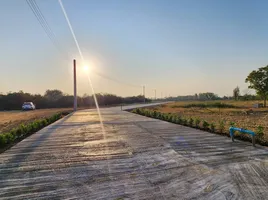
{"type": "Point", "coordinates": [86, 68]}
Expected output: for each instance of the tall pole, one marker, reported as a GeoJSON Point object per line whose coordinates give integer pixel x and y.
{"type": "Point", "coordinates": [75, 92]}
{"type": "Point", "coordinates": [155, 94]}
{"type": "Point", "coordinates": [144, 93]}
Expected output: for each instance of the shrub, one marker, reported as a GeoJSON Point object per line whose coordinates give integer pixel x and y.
{"type": "Point", "coordinates": [147, 113]}
{"type": "Point", "coordinates": [174, 119]}
{"type": "Point", "coordinates": [179, 120]}
{"type": "Point", "coordinates": [205, 125]}
{"type": "Point", "coordinates": [197, 122]}
{"type": "Point", "coordinates": [3, 140]}
{"type": "Point", "coordinates": [221, 126]}
{"type": "Point", "coordinates": [134, 111]}
{"type": "Point", "coordinates": [166, 116]}
{"type": "Point", "coordinates": [184, 121]}
{"type": "Point", "coordinates": [154, 114]}
{"type": "Point", "coordinates": [22, 130]}
{"type": "Point", "coordinates": [232, 124]}
{"type": "Point", "coordinates": [212, 127]}
{"type": "Point", "coordinates": [137, 111]}
{"type": "Point", "coordinates": [44, 122]}
{"type": "Point", "coordinates": [159, 115]}
{"type": "Point", "coordinates": [259, 131]}
{"type": "Point", "coordinates": [13, 132]}
{"type": "Point", "coordinates": [9, 137]}
{"type": "Point", "coordinates": [207, 105]}
{"type": "Point", "coordinates": [191, 122]}
{"type": "Point", "coordinates": [170, 118]}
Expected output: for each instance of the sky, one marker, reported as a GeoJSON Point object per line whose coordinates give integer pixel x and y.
{"type": "Point", "coordinates": [177, 47]}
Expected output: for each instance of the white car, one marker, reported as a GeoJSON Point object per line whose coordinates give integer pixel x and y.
{"type": "Point", "coordinates": [28, 106]}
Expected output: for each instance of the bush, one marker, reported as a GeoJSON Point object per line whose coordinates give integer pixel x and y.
{"type": "Point", "coordinates": [166, 116]}
{"type": "Point", "coordinates": [212, 127]}
{"type": "Point", "coordinates": [23, 130]}
{"type": "Point", "coordinates": [207, 105]}
{"type": "Point", "coordinates": [159, 115]}
{"type": "Point", "coordinates": [191, 122]}
{"type": "Point", "coordinates": [221, 126]}
{"type": "Point", "coordinates": [184, 121]}
{"type": "Point", "coordinates": [9, 137]}
{"type": "Point", "coordinates": [3, 140]}
{"type": "Point", "coordinates": [259, 131]}
{"type": "Point", "coordinates": [154, 114]}
{"type": "Point", "coordinates": [174, 119]}
{"type": "Point", "coordinates": [170, 117]}
{"type": "Point", "coordinates": [137, 111]}
{"type": "Point", "coordinates": [232, 124]}
{"type": "Point", "coordinates": [179, 120]}
{"type": "Point", "coordinates": [205, 125]}
{"type": "Point", "coordinates": [197, 122]}
{"type": "Point", "coordinates": [134, 111]}
{"type": "Point", "coordinates": [147, 113]}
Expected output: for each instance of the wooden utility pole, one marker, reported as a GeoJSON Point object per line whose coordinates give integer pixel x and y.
{"type": "Point", "coordinates": [75, 91]}
{"type": "Point", "coordinates": [144, 93]}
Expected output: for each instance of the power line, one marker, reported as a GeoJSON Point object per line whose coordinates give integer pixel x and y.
{"type": "Point", "coordinates": [71, 28]}
{"type": "Point", "coordinates": [43, 22]}
{"type": "Point", "coordinates": [80, 52]}
{"type": "Point", "coordinates": [51, 35]}
{"type": "Point", "coordinates": [116, 80]}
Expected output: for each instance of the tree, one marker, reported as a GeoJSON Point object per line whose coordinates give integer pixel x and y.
{"type": "Point", "coordinates": [258, 80]}
{"type": "Point", "coordinates": [236, 93]}
{"type": "Point", "coordinates": [53, 95]}
{"type": "Point", "coordinates": [208, 96]}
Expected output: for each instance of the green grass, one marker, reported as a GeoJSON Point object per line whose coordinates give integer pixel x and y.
{"type": "Point", "coordinates": [23, 130]}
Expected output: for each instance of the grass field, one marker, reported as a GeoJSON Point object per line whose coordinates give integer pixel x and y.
{"type": "Point", "coordinates": [239, 112]}
{"type": "Point", "coordinates": [12, 119]}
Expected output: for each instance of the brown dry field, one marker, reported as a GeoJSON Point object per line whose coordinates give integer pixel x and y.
{"type": "Point", "coordinates": [11, 119]}
{"type": "Point", "coordinates": [259, 117]}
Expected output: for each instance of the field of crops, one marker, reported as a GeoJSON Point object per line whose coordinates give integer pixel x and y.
{"type": "Point", "coordinates": [238, 113]}
{"type": "Point", "coordinates": [12, 119]}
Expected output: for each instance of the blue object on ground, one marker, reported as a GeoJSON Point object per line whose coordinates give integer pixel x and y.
{"type": "Point", "coordinates": [232, 129]}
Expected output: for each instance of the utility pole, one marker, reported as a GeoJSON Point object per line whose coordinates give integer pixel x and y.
{"type": "Point", "coordinates": [154, 94]}
{"type": "Point", "coordinates": [75, 92]}
{"type": "Point", "coordinates": [144, 93]}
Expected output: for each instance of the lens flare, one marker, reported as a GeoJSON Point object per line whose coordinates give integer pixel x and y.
{"type": "Point", "coordinates": [86, 68]}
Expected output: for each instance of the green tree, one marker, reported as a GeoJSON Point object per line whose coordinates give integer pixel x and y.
{"type": "Point", "coordinates": [53, 95]}
{"type": "Point", "coordinates": [258, 80]}
{"type": "Point", "coordinates": [236, 93]}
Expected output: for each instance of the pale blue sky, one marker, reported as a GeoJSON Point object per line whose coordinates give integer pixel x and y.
{"type": "Point", "coordinates": [178, 47]}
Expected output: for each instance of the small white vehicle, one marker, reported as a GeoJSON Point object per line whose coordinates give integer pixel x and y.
{"type": "Point", "coordinates": [28, 106]}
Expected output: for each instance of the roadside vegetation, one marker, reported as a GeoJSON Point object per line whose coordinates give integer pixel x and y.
{"type": "Point", "coordinates": [57, 99]}
{"type": "Point", "coordinates": [207, 121]}
{"type": "Point", "coordinates": [11, 137]}
{"type": "Point", "coordinates": [12, 119]}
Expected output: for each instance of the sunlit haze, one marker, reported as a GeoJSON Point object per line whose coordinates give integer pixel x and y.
{"type": "Point", "coordinates": [176, 47]}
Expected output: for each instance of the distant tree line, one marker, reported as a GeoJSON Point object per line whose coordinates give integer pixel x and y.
{"type": "Point", "coordinates": [212, 96]}
{"type": "Point", "coordinates": [201, 96]}
{"type": "Point", "coordinates": [57, 99]}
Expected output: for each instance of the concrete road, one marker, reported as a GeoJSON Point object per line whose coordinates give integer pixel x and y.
{"type": "Point", "coordinates": [136, 158]}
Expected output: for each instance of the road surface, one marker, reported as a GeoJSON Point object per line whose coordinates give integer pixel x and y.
{"type": "Point", "coordinates": [136, 158]}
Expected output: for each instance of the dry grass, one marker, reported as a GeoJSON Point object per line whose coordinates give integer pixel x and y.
{"type": "Point", "coordinates": [215, 115]}
{"type": "Point", "coordinates": [11, 119]}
